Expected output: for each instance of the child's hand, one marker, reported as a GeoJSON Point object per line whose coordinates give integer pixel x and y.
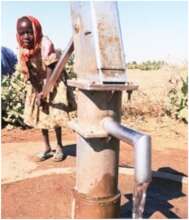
{"type": "Point", "coordinates": [39, 98]}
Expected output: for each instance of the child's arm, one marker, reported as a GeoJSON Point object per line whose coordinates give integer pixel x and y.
{"type": "Point", "coordinates": [49, 72]}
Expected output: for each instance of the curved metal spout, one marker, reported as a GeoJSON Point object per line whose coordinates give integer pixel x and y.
{"type": "Point", "coordinates": [141, 143]}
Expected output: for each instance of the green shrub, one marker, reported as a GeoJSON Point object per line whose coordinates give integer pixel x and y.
{"type": "Point", "coordinates": [13, 95]}
{"type": "Point", "coordinates": [69, 68]}
{"type": "Point", "coordinates": [12, 100]}
{"type": "Point", "coordinates": [69, 65]}
{"type": "Point", "coordinates": [177, 105]}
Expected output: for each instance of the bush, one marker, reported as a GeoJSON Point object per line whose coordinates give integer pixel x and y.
{"type": "Point", "coordinates": [12, 100]}
{"type": "Point", "coordinates": [69, 65]}
{"type": "Point", "coordinates": [69, 68]}
{"type": "Point", "coordinates": [177, 104]}
{"type": "Point", "coordinates": [148, 65]}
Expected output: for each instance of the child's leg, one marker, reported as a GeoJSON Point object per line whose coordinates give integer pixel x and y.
{"type": "Point", "coordinates": [46, 153]}
{"type": "Point", "coordinates": [45, 134]}
{"type": "Point", "coordinates": [58, 132]}
{"type": "Point", "coordinates": [59, 155]}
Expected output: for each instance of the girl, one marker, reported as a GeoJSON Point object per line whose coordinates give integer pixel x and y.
{"type": "Point", "coordinates": [37, 59]}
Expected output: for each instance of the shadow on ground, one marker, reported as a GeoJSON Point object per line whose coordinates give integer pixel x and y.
{"type": "Point", "coordinates": [159, 193]}
{"type": "Point", "coordinates": [70, 150]}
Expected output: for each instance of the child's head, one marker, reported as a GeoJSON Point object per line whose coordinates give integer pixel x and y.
{"type": "Point", "coordinates": [25, 33]}
{"type": "Point", "coordinates": [29, 32]}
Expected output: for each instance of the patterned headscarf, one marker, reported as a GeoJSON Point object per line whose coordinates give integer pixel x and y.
{"type": "Point", "coordinates": [25, 53]}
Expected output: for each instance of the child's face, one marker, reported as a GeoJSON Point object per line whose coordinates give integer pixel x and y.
{"type": "Point", "coordinates": [25, 31]}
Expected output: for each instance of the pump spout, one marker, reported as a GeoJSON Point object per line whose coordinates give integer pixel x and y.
{"type": "Point", "coordinates": [142, 160]}
{"type": "Point", "coordinates": [141, 143]}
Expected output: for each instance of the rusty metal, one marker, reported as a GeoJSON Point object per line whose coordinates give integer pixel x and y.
{"type": "Point", "coordinates": [96, 177]}
{"type": "Point", "coordinates": [97, 158]}
{"type": "Point", "coordinates": [96, 207]}
{"type": "Point", "coordinates": [87, 132]}
{"type": "Point", "coordinates": [58, 68]}
{"type": "Point", "coordinates": [98, 44]}
{"type": "Point", "coordinates": [101, 78]}
{"type": "Point", "coordinates": [93, 107]}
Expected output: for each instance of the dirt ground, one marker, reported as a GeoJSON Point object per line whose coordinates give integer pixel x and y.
{"type": "Point", "coordinates": [169, 142]}
{"type": "Point", "coordinates": [52, 198]}
{"type": "Point", "coordinates": [24, 197]}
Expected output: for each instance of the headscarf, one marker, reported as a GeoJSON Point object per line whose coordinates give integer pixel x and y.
{"type": "Point", "coordinates": [25, 53]}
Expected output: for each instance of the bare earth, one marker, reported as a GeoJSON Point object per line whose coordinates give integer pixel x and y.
{"type": "Point", "coordinates": [24, 197]}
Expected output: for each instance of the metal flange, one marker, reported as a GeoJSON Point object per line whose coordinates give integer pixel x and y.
{"type": "Point", "coordinates": [87, 132]}
{"type": "Point", "coordinates": [85, 206]}
{"type": "Point", "coordinates": [97, 86]}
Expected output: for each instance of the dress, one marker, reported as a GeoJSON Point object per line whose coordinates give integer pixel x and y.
{"type": "Point", "coordinates": [53, 112]}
